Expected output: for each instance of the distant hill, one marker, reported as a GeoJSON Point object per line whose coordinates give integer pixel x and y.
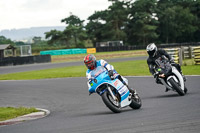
{"type": "Point", "coordinates": [27, 33]}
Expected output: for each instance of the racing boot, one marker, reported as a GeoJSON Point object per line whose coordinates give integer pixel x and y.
{"type": "Point", "coordinates": [133, 91]}
{"type": "Point", "coordinates": [158, 81]}
{"type": "Point", "coordinates": [184, 78]}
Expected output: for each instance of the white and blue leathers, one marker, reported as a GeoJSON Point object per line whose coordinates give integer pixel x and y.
{"type": "Point", "coordinates": [108, 68]}
{"type": "Point", "coordinates": [100, 63]}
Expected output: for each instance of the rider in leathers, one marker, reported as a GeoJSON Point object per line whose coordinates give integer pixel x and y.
{"type": "Point", "coordinates": [91, 63]}
{"type": "Point", "coordinates": [154, 54]}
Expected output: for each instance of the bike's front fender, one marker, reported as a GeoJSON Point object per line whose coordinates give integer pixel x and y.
{"type": "Point", "coordinates": [179, 76]}
{"type": "Point", "coordinates": [120, 88]}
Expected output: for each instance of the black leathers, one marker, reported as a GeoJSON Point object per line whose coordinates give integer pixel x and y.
{"type": "Point", "coordinates": [151, 60]}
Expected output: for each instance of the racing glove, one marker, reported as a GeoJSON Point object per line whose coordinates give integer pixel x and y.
{"type": "Point", "coordinates": [110, 73]}
{"type": "Point", "coordinates": [172, 61]}
{"type": "Point", "coordinates": [155, 75]}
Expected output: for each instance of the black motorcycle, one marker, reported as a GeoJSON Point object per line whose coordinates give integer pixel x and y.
{"type": "Point", "coordinates": [169, 76]}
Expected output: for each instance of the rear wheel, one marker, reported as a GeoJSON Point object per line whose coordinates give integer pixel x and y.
{"type": "Point", "coordinates": [176, 87]}
{"type": "Point", "coordinates": [113, 105]}
{"type": "Point", "coordinates": [136, 102]}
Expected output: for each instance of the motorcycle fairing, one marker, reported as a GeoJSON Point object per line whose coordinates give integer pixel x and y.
{"type": "Point", "coordinates": [180, 78]}
{"type": "Point", "coordinates": [101, 77]}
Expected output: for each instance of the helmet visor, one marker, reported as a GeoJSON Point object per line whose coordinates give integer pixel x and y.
{"type": "Point", "coordinates": [90, 65]}
{"type": "Point", "coordinates": [151, 53]}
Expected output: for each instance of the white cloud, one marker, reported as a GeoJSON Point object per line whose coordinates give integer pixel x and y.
{"type": "Point", "coordinates": [32, 13]}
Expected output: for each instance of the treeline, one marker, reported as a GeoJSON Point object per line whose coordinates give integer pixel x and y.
{"type": "Point", "coordinates": [137, 22]}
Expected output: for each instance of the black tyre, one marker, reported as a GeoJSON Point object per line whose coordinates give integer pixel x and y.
{"type": "Point", "coordinates": [136, 102]}
{"type": "Point", "coordinates": [185, 90]}
{"type": "Point", "coordinates": [176, 87]}
{"type": "Point", "coordinates": [113, 105]}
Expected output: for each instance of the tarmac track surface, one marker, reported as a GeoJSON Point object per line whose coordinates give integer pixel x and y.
{"type": "Point", "coordinates": [73, 111]}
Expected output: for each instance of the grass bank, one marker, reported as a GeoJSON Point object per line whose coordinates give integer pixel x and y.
{"type": "Point", "coordinates": [99, 55]}
{"type": "Point", "coordinates": [11, 112]}
{"type": "Point", "coordinates": [126, 68]}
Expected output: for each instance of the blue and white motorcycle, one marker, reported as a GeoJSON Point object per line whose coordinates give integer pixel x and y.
{"type": "Point", "coordinates": [114, 93]}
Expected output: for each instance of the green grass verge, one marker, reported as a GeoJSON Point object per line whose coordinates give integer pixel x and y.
{"type": "Point", "coordinates": [99, 55]}
{"type": "Point", "coordinates": [11, 112]}
{"type": "Point", "coordinates": [127, 68]}
{"type": "Point", "coordinates": [191, 70]}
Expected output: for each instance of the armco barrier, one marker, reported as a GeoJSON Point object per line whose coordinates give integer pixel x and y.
{"type": "Point", "coordinates": [176, 54]}
{"type": "Point", "coordinates": [196, 52]}
{"type": "Point", "coordinates": [12, 61]}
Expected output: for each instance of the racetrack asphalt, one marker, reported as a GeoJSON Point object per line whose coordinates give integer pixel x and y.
{"type": "Point", "coordinates": [74, 111]}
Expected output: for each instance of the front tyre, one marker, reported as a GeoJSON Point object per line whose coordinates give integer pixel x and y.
{"type": "Point", "coordinates": [112, 104]}
{"type": "Point", "coordinates": [185, 90]}
{"type": "Point", "coordinates": [176, 87]}
{"type": "Point", "coordinates": [136, 102]}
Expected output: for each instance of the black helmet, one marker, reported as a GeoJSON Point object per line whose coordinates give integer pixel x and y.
{"type": "Point", "coordinates": [90, 61]}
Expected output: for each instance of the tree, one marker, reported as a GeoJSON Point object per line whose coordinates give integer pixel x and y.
{"type": "Point", "coordinates": [195, 10]}
{"type": "Point", "coordinates": [177, 24]}
{"type": "Point", "coordinates": [55, 37]}
{"type": "Point", "coordinates": [4, 40]}
{"type": "Point", "coordinates": [37, 39]}
{"type": "Point", "coordinates": [75, 30]}
{"type": "Point", "coordinates": [109, 24]}
{"type": "Point", "coordinates": [96, 26]}
{"type": "Point", "coordinates": [117, 19]}
{"type": "Point", "coordinates": [143, 22]}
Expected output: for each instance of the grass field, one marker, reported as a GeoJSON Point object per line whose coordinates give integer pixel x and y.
{"type": "Point", "coordinates": [127, 68]}
{"type": "Point", "coordinates": [11, 112]}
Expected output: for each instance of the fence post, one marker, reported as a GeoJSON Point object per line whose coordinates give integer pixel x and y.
{"type": "Point", "coordinates": [190, 52]}
{"type": "Point", "coordinates": [182, 52]}
{"type": "Point", "coordinates": [180, 56]}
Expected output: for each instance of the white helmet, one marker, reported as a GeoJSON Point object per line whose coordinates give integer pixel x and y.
{"type": "Point", "coordinates": [151, 49]}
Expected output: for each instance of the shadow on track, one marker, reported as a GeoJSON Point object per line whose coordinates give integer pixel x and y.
{"type": "Point", "coordinates": [163, 96]}
{"type": "Point", "coordinates": [103, 113]}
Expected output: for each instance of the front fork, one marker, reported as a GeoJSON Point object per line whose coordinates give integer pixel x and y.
{"type": "Point", "coordinates": [111, 93]}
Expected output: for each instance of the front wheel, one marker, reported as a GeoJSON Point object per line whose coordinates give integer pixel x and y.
{"type": "Point", "coordinates": [185, 90]}
{"type": "Point", "coordinates": [176, 87]}
{"type": "Point", "coordinates": [112, 104]}
{"type": "Point", "coordinates": [136, 102]}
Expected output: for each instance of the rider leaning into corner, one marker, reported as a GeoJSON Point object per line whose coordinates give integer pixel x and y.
{"type": "Point", "coordinates": [91, 63]}
{"type": "Point", "coordinates": [154, 53]}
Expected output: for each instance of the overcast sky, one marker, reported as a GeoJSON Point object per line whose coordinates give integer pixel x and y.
{"type": "Point", "coordinates": [15, 14]}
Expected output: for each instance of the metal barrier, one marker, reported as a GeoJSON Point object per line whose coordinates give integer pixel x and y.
{"type": "Point", "coordinates": [12, 61]}
{"type": "Point", "coordinates": [196, 52]}
{"type": "Point", "coordinates": [176, 54]}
